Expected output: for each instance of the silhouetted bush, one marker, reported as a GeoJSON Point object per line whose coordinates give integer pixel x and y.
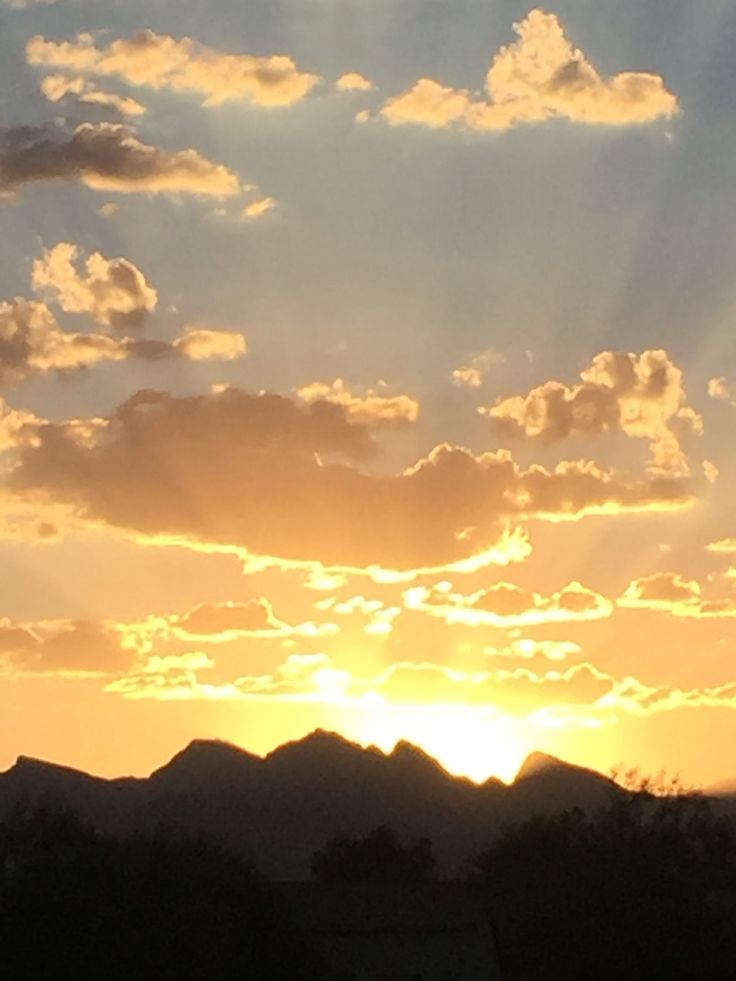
{"type": "Point", "coordinates": [645, 889]}
{"type": "Point", "coordinates": [378, 857]}
{"type": "Point", "coordinates": [76, 904]}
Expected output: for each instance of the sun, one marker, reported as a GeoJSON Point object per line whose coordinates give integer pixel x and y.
{"type": "Point", "coordinates": [471, 741]}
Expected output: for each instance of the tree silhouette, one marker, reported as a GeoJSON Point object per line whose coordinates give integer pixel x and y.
{"type": "Point", "coordinates": [378, 857]}
{"type": "Point", "coordinates": [75, 904]}
{"type": "Point", "coordinates": [644, 888]}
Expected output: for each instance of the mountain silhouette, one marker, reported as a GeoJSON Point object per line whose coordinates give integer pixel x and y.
{"type": "Point", "coordinates": [278, 809]}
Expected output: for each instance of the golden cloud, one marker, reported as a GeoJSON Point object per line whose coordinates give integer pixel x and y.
{"type": "Point", "coordinates": [505, 605]}
{"type": "Point", "coordinates": [204, 344]}
{"type": "Point", "coordinates": [64, 648]}
{"type": "Point", "coordinates": [371, 408]}
{"type": "Point", "coordinates": [354, 82]}
{"type": "Point", "coordinates": [517, 691]}
{"type": "Point", "coordinates": [106, 157]}
{"type": "Point", "coordinates": [58, 87]}
{"type": "Point", "coordinates": [160, 61]}
{"type": "Point", "coordinates": [473, 373]}
{"type": "Point", "coordinates": [282, 478]}
{"type": "Point", "coordinates": [256, 209]}
{"type": "Point", "coordinates": [32, 342]}
{"type": "Point", "coordinates": [670, 593]}
{"type": "Point", "coordinates": [541, 76]}
{"type": "Point", "coordinates": [114, 292]}
{"type": "Point", "coordinates": [642, 396]}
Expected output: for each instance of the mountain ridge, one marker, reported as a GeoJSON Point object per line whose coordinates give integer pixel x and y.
{"type": "Point", "coordinates": [278, 809]}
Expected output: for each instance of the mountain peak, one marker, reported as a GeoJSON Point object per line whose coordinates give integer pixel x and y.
{"type": "Point", "coordinates": [537, 763]}
{"type": "Point", "coordinates": [207, 761]}
{"type": "Point", "coordinates": [317, 743]}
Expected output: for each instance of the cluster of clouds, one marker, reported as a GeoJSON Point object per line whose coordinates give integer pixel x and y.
{"type": "Point", "coordinates": [579, 692]}
{"type": "Point", "coordinates": [539, 77]}
{"type": "Point", "coordinates": [114, 294]}
{"type": "Point", "coordinates": [160, 61]}
{"type": "Point", "coordinates": [640, 395]}
{"type": "Point", "coordinates": [505, 605]}
{"type": "Point", "coordinates": [105, 648]}
{"type": "Point", "coordinates": [289, 478]}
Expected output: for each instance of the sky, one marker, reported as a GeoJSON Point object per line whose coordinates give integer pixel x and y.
{"type": "Point", "coordinates": [368, 365]}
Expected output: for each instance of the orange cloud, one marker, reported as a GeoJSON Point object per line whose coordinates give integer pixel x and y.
{"type": "Point", "coordinates": [64, 648]}
{"type": "Point", "coordinates": [518, 691]}
{"type": "Point", "coordinates": [642, 396]}
{"type": "Point", "coordinates": [106, 157]}
{"type": "Point", "coordinates": [541, 76]}
{"type": "Point", "coordinates": [669, 593]}
{"type": "Point", "coordinates": [505, 605]}
{"type": "Point", "coordinates": [160, 61]}
{"type": "Point", "coordinates": [282, 478]}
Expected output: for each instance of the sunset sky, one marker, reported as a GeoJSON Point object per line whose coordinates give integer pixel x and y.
{"type": "Point", "coordinates": [370, 365]}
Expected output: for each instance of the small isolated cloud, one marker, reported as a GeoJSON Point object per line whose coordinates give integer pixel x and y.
{"type": "Point", "coordinates": [114, 292]}
{"type": "Point", "coordinates": [159, 61]}
{"type": "Point", "coordinates": [217, 619]}
{"type": "Point", "coordinates": [58, 87]}
{"type": "Point", "coordinates": [256, 209]}
{"type": "Point", "coordinates": [204, 344]}
{"type": "Point", "coordinates": [710, 471]}
{"type": "Point", "coordinates": [541, 76]}
{"type": "Point", "coordinates": [369, 408]}
{"type": "Point", "coordinates": [642, 396]}
{"type": "Point", "coordinates": [719, 389]}
{"type": "Point", "coordinates": [472, 373]}
{"type": "Point", "coordinates": [106, 157]}
{"type": "Point", "coordinates": [354, 82]}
